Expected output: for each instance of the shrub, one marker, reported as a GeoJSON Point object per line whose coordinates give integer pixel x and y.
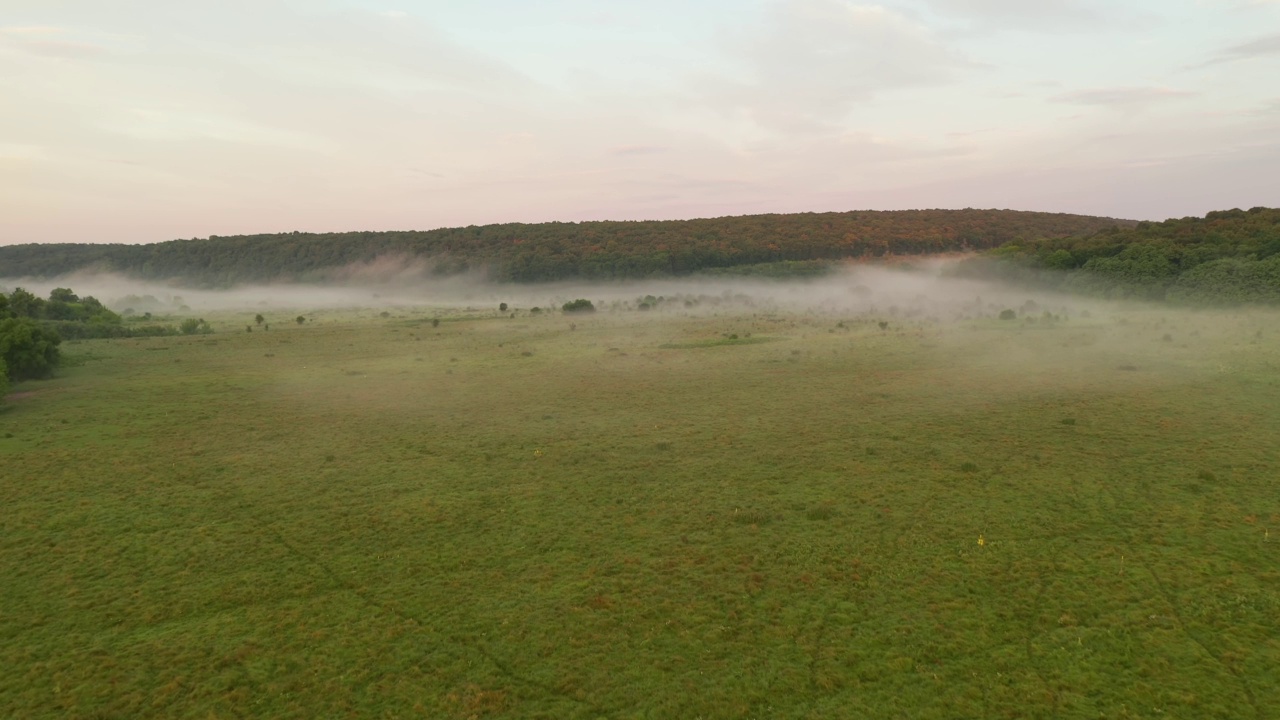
{"type": "Point", "coordinates": [192, 326]}
{"type": "Point", "coordinates": [579, 306]}
{"type": "Point", "coordinates": [502, 307]}
{"type": "Point", "coordinates": [299, 319]}
{"type": "Point", "coordinates": [1007, 314]}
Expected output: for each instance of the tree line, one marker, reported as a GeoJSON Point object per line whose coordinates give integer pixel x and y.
{"type": "Point", "coordinates": [1227, 257]}
{"type": "Point", "coordinates": [557, 251]}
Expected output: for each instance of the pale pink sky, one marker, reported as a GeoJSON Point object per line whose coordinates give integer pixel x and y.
{"type": "Point", "coordinates": [143, 121]}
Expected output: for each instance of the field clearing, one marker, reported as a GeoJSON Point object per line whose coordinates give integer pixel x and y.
{"type": "Point", "coordinates": [649, 515]}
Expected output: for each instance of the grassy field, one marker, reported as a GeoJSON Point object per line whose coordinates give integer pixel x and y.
{"type": "Point", "coordinates": [646, 517]}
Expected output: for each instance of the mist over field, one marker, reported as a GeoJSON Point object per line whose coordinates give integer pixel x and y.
{"type": "Point", "coordinates": [918, 290]}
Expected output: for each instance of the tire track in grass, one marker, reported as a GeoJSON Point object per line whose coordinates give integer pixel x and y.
{"type": "Point", "coordinates": [1059, 544]}
{"type": "Point", "coordinates": [1126, 530]}
{"type": "Point", "coordinates": [409, 618]}
{"type": "Point", "coordinates": [817, 650]}
{"type": "Point", "coordinates": [1177, 614]}
{"type": "Point", "coordinates": [1037, 605]}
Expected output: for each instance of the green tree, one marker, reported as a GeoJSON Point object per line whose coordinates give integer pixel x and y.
{"type": "Point", "coordinates": [299, 319]}
{"type": "Point", "coordinates": [63, 295]}
{"type": "Point", "coordinates": [4, 379]}
{"type": "Point", "coordinates": [28, 349]}
{"type": "Point", "coordinates": [24, 304]}
{"type": "Point", "coordinates": [258, 318]}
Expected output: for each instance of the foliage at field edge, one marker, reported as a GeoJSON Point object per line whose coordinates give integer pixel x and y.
{"type": "Point", "coordinates": [1227, 257]}
{"type": "Point", "coordinates": [32, 328]}
{"type": "Point", "coordinates": [555, 251]}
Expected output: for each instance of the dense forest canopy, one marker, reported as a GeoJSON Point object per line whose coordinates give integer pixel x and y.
{"type": "Point", "coordinates": [555, 251]}
{"type": "Point", "coordinates": [1226, 257]}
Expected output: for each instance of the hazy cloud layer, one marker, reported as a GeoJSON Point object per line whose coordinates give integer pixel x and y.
{"type": "Point", "coordinates": [143, 120]}
{"type": "Point", "coordinates": [809, 61]}
{"type": "Point", "coordinates": [1258, 48]}
{"type": "Point", "coordinates": [1127, 98]}
{"type": "Point", "coordinates": [1053, 15]}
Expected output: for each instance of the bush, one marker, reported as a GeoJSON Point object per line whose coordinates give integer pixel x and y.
{"type": "Point", "coordinates": [28, 349]}
{"type": "Point", "coordinates": [579, 306]}
{"type": "Point", "coordinates": [4, 379]}
{"type": "Point", "coordinates": [1008, 315]}
{"type": "Point", "coordinates": [152, 331]}
{"type": "Point", "coordinates": [192, 326]}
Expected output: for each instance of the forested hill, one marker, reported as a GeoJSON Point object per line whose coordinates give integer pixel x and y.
{"type": "Point", "coordinates": [1226, 257]}
{"type": "Point", "coordinates": [553, 251]}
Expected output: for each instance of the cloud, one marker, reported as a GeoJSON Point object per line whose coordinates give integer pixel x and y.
{"type": "Point", "coordinates": [31, 30]}
{"type": "Point", "coordinates": [1127, 98]}
{"type": "Point", "coordinates": [48, 41]}
{"type": "Point", "coordinates": [1265, 109]}
{"type": "Point", "coordinates": [626, 150]}
{"type": "Point", "coordinates": [62, 48]}
{"type": "Point", "coordinates": [810, 61]}
{"type": "Point", "coordinates": [1257, 48]}
{"type": "Point", "coordinates": [1025, 14]}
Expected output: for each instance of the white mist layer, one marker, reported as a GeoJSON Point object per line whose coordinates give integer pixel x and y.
{"type": "Point", "coordinates": [923, 292]}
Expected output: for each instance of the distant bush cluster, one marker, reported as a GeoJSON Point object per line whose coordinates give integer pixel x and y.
{"type": "Point", "coordinates": [579, 306]}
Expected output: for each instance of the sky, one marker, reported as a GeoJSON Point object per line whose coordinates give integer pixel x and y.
{"type": "Point", "coordinates": [149, 120]}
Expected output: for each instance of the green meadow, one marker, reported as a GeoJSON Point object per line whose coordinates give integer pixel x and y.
{"type": "Point", "coordinates": [749, 514]}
